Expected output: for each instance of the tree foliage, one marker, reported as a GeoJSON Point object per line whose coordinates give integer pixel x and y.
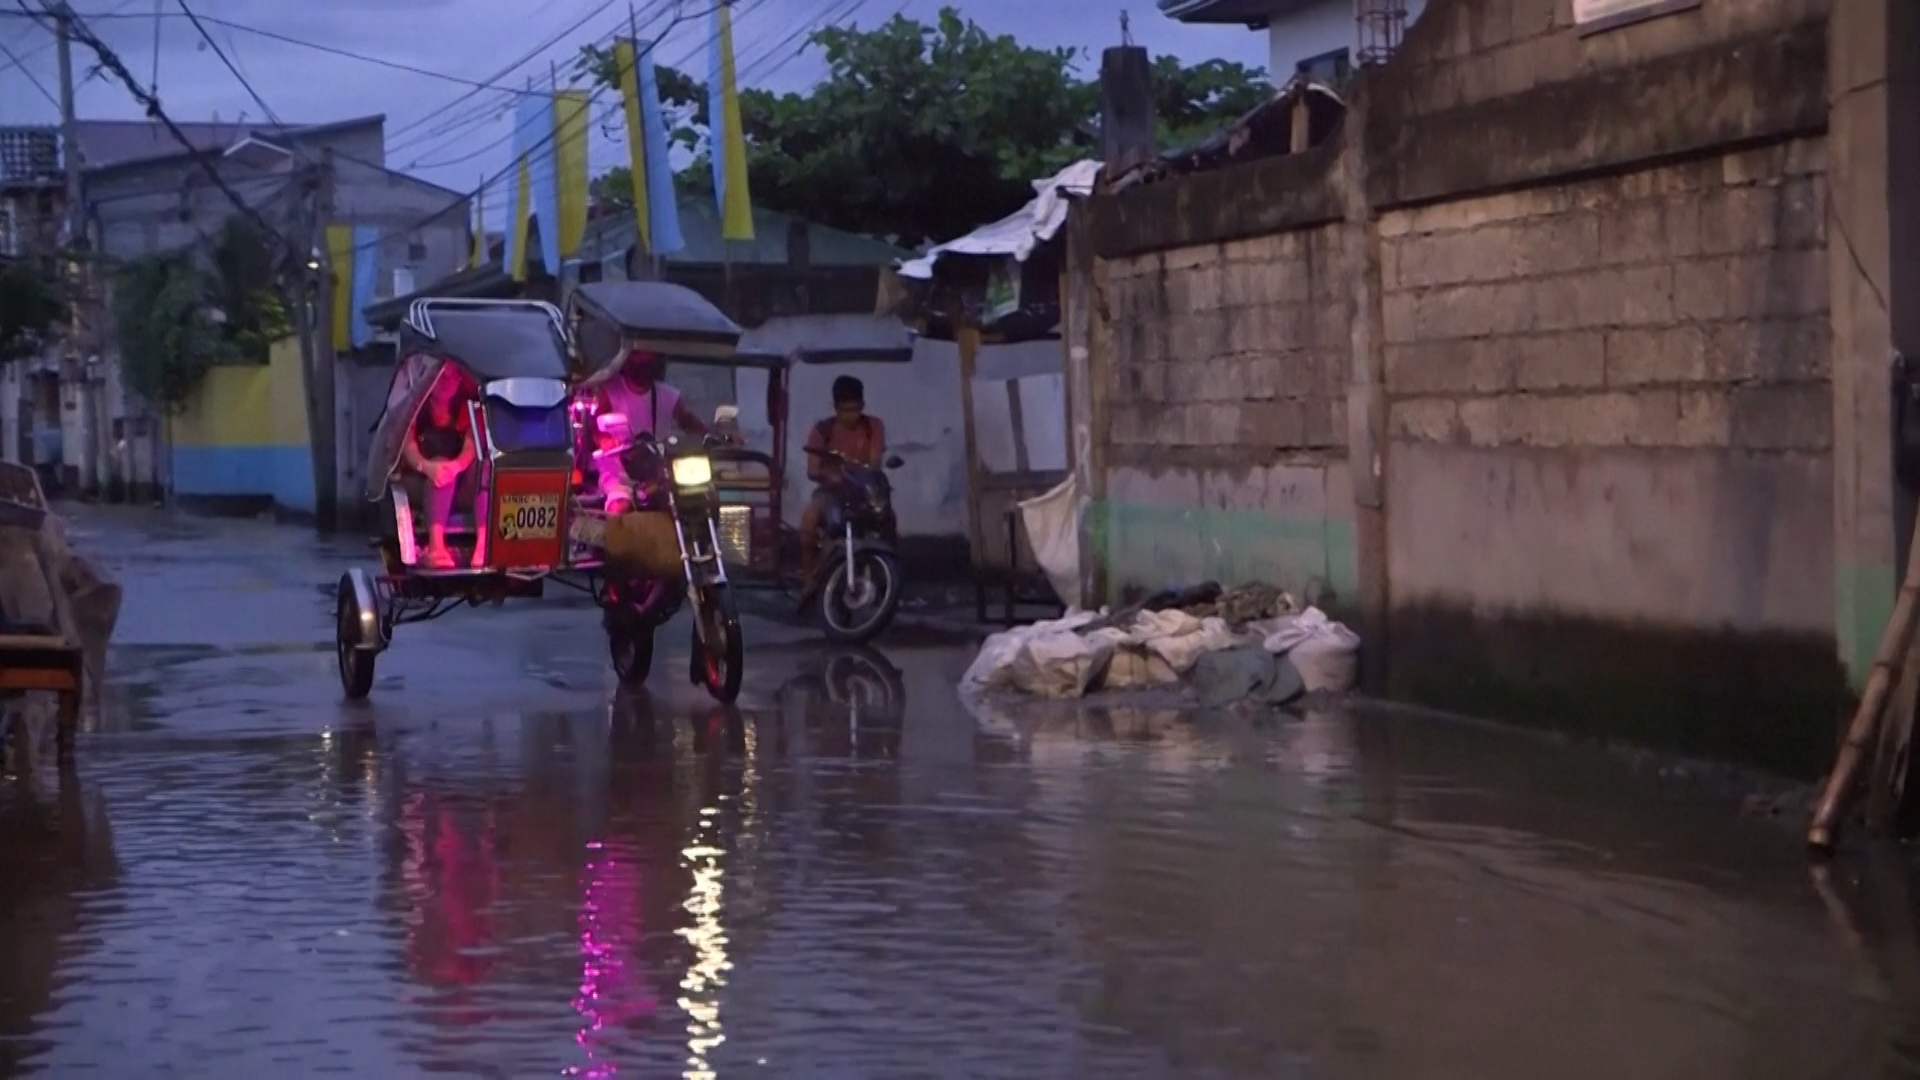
{"type": "Point", "coordinates": [922, 132]}
{"type": "Point", "coordinates": [167, 332]}
{"type": "Point", "coordinates": [175, 315]}
{"type": "Point", "coordinates": [28, 309]}
{"type": "Point", "coordinates": [244, 288]}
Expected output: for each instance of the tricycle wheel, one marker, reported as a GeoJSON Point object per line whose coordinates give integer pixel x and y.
{"type": "Point", "coordinates": [718, 658]}
{"type": "Point", "coordinates": [356, 663]}
{"type": "Point", "coordinates": [632, 651]}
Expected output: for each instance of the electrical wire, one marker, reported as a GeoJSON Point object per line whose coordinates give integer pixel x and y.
{"type": "Point", "coordinates": [467, 119]}
{"type": "Point", "coordinates": [44, 46]}
{"type": "Point", "coordinates": [222, 54]}
{"type": "Point", "coordinates": [804, 34]}
{"type": "Point", "coordinates": [592, 95]}
{"type": "Point", "coordinates": [31, 77]}
{"type": "Point", "coordinates": [506, 173]}
{"type": "Point", "coordinates": [110, 62]}
{"type": "Point", "coordinates": [507, 71]}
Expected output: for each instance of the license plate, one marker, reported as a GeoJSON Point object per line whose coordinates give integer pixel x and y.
{"type": "Point", "coordinates": [529, 517]}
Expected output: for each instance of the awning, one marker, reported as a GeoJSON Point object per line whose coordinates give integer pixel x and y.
{"type": "Point", "coordinates": [1019, 233]}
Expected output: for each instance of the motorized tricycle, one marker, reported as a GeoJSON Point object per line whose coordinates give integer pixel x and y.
{"type": "Point", "coordinates": [532, 520]}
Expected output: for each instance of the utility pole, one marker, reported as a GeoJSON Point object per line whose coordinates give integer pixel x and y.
{"type": "Point", "coordinates": [74, 396]}
{"type": "Point", "coordinates": [317, 355]}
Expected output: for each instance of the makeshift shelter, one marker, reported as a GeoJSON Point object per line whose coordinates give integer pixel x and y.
{"type": "Point", "coordinates": [999, 285]}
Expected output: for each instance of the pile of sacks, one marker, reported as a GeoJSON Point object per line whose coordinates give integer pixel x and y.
{"type": "Point", "coordinates": [1272, 658]}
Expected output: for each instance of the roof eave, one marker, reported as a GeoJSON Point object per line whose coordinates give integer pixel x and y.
{"type": "Point", "coordinates": [1210, 12]}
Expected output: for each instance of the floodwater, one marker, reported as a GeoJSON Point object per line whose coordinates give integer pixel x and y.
{"type": "Point", "coordinates": [501, 868]}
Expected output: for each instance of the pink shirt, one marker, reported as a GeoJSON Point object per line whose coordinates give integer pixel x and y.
{"type": "Point", "coordinates": [646, 411]}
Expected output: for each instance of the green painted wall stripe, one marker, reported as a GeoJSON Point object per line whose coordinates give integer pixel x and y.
{"type": "Point", "coordinates": [1865, 602]}
{"type": "Point", "coordinates": [1153, 546]}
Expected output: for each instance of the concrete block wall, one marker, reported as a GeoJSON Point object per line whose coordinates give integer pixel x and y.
{"type": "Point", "coordinates": [1574, 303]}
{"type": "Point", "coordinates": [1610, 407]}
{"type": "Point", "coordinates": [1227, 410]}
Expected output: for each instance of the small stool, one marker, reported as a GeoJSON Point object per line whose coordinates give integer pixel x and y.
{"type": "Point", "coordinates": [47, 664]}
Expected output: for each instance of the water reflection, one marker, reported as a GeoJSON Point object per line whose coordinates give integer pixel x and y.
{"type": "Point", "coordinates": [56, 847]}
{"type": "Point", "coordinates": [828, 885]}
{"type": "Point", "coordinates": [847, 701]}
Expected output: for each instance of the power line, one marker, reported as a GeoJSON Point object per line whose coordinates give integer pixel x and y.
{"type": "Point", "coordinates": [513, 165]}
{"type": "Point", "coordinates": [595, 93]}
{"type": "Point", "coordinates": [31, 77]}
{"type": "Point", "coordinates": [469, 118]}
{"type": "Point", "coordinates": [221, 53]}
{"type": "Point", "coordinates": [111, 62]}
{"type": "Point", "coordinates": [507, 71]}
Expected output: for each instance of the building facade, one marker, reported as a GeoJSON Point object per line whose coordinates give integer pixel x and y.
{"type": "Point", "coordinates": [145, 194]}
{"type": "Point", "coordinates": [1324, 40]}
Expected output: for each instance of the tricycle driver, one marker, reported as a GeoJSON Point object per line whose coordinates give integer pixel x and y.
{"type": "Point", "coordinates": [637, 395]}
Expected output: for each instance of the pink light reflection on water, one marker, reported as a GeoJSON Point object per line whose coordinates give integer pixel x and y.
{"type": "Point", "coordinates": [612, 991]}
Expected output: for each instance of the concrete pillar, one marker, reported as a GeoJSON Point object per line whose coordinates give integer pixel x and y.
{"type": "Point", "coordinates": [1873, 245]}
{"type": "Point", "coordinates": [1367, 444]}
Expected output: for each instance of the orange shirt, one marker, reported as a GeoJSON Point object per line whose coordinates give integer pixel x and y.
{"type": "Point", "coordinates": [863, 443]}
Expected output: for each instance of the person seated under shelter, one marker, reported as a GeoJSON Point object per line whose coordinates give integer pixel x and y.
{"type": "Point", "coordinates": [441, 451]}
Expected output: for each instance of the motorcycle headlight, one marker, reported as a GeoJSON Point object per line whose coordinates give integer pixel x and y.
{"type": "Point", "coordinates": [692, 471]}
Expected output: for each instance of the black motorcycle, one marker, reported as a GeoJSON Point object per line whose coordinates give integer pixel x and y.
{"type": "Point", "coordinates": [678, 478]}
{"type": "Point", "coordinates": [856, 587]}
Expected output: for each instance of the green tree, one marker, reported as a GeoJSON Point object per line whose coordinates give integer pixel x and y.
{"type": "Point", "coordinates": [165, 327]}
{"type": "Point", "coordinates": [28, 309]}
{"type": "Point", "coordinates": [923, 132]}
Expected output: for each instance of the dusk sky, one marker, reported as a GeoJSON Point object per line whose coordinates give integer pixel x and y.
{"type": "Point", "coordinates": [475, 40]}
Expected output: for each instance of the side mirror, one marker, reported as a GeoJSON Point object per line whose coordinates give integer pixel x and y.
{"type": "Point", "coordinates": [893, 461]}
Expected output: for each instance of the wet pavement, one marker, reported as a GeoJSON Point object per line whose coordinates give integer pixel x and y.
{"type": "Point", "coordinates": [500, 867]}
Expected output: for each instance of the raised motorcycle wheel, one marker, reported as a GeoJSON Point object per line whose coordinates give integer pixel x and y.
{"type": "Point", "coordinates": [356, 664]}
{"type": "Point", "coordinates": [718, 668]}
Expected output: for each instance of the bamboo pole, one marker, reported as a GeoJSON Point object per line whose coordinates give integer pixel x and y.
{"type": "Point", "coordinates": [1888, 657]}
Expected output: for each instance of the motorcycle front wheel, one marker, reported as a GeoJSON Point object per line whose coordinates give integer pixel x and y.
{"type": "Point", "coordinates": [719, 656]}
{"type": "Point", "coordinates": [855, 612]}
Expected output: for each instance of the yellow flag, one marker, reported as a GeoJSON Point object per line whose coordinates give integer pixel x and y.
{"type": "Point", "coordinates": [625, 61]}
{"type": "Point", "coordinates": [570, 167]}
{"type": "Point", "coordinates": [340, 264]}
{"type": "Point", "coordinates": [736, 208]}
{"type": "Point", "coordinates": [517, 232]}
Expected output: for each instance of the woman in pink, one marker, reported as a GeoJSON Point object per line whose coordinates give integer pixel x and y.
{"type": "Point", "coordinates": [649, 405]}
{"type": "Point", "coordinates": [440, 448]}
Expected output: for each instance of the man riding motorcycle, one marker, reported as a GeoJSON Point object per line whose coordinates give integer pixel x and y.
{"type": "Point", "coordinates": [648, 405]}
{"type": "Point", "coordinates": [855, 436]}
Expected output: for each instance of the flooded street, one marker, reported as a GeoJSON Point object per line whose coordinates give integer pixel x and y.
{"type": "Point", "coordinates": [499, 867]}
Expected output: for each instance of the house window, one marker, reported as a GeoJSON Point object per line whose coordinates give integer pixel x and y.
{"type": "Point", "coordinates": [416, 251]}
{"type": "Point", "coordinates": [1332, 69]}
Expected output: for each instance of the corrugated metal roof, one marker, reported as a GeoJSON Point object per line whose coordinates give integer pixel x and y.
{"type": "Point", "coordinates": [1020, 232]}
{"type": "Point", "coordinates": [105, 144]}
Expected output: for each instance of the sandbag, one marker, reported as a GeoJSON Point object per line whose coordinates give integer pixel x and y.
{"type": "Point", "coordinates": [1326, 653]}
